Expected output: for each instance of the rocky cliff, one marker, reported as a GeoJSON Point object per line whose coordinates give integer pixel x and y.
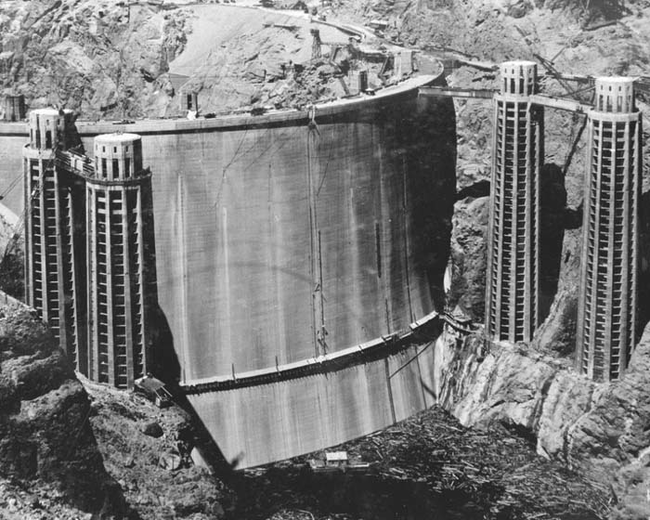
{"type": "Point", "coordinates": [99, 58]}
{"type": "Point", "coordinates": [45, 433]}
{"type": "Point", "coordinates": [112, 60]}
{"type": "Point", "coordinates": [601, 429]}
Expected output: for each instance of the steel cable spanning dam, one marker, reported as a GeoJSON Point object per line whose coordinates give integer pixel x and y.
{"type": "Point", "coordinates": [298, 254]}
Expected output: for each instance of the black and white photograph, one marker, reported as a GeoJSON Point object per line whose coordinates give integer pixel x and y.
{"type": "Point", "coordinates": [324, 260]}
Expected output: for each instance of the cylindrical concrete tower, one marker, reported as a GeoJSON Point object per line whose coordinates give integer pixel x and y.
{"type": "Point", "coordinates": [117, 261]}
{"type": "Point", "coordinates": [512, 281]}
{"type": "Point", "coordinates": [610, 251]}
{"type": "Point", "coordinates": [50, 270]}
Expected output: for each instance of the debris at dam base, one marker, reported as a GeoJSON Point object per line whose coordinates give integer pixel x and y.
{"type": "Point", "coordinates": [427, 463]}
{"type": "Point", "coordinates": [428, 466]}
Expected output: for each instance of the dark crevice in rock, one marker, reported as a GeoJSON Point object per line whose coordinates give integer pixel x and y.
{"type": "Point", "coordinates": [519, 430]}
{"type": "Point", "coordinates": [573, 217]}
{"type": "Point", "coordinates": [643, 284]}
{"type": "Point", "coordinates": [553, 198]}
{"type": "Point", "coordinates": [539, 404]}
{"type": "Point", "coordinates": [576, 141]}
{"type": "Point", "coordinates": [476, 190]}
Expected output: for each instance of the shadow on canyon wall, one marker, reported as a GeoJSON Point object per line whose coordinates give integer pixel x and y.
{"type": "Point", "coordinates": [553, 197]}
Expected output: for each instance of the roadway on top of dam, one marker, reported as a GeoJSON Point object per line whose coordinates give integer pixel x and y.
{"type": "Point", "coordinates": [235, 121]}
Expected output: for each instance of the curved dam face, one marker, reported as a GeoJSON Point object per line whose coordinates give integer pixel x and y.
{"type": "Point", "coordinates": [282, 243]}
{"type": "Point", "coordinates": [295, 254]}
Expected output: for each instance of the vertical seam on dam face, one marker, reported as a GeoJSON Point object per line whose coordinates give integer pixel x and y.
{"type": "Point", "coordinates": [406, 240]}
{"type": "Point", "coordinates": [313, 230]}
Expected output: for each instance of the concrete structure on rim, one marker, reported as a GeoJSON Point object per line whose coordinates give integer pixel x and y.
{"type": "Point", "coordinates": [14, 107]}
{"type": "Point", "coordinates": [189, 100]}
{"type": "Point", "coordinates": [358, 81]}
{"type": "Point", "coordinates": [512, 281]}
{"type": "Point", "coordinates": [607, 302]}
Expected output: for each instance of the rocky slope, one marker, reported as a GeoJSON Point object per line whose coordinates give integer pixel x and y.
{"type": "Point", "coordinates": [151, 452]}
{"type": "Point", "coordinates": [45, 435]}
{"type": "Point", "coordinates": [600, 429]}
{"type": "Point", "coordinates": [99, 58]}
{"type": "Point", "coordinates": [66, 455]}
{"type": "Point", "coordinates": [106, 59]}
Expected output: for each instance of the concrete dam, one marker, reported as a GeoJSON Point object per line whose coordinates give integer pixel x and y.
{"type": "Point", "coordinates": [298, 256]}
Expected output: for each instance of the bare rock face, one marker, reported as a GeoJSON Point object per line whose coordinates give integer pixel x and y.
{"type": "Point", "coordinates": [468, 259]}
{"type": "Point", "coordinates": [618, 425]}
{"type": "Point", "coordinates": [100, 58]}
{"type": "Point", "coordinates": [45, 432]}
{"type": "Point", "coordinates": [601, 428]}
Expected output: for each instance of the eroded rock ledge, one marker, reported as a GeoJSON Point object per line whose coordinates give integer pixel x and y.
{"type": "Point", "coordinates": [45, 433]}
{"type": "Point", "coordinates": [601, 429]}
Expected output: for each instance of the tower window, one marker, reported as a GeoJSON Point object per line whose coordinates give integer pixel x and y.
{"type": "Point", "coordinates": [189, 101]}
{"type": "Point", "coordinates": [116, 169]}
{"type": "Point", "coordinates": [48, 139]}
{"type": "Point", "coordinates": [104, 166]}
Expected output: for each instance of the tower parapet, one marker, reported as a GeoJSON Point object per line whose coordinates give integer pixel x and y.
{"type": "Point", "coordinates": [615, 95]}
{"type": "Point", "coordinates": [512, 282]}
{"type": "Point", "coordinates": [118, 157]}
{"type": "Point", "coordinates": [50, 129]}
{"type": "Point", "coordinates": [518, 78]}
{"type": "Point", "coordinates": [610, 250]}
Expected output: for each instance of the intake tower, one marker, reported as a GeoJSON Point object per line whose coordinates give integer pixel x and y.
{"type": "Point", "coordinates": [512, 283]}
{"type": "Point", "coordinates": [117, 263]}
{"type": "Point", "coordinates": [51, 271]}
{"type": "Point", "coordinates": [610, 250]}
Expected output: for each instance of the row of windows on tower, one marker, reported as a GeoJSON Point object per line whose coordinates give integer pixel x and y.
{"type": "Point", "coordinates": [36, 138]}
{"type": "Point", "coordinates": [524, 88]}
{"type": "Point", "coordinates": [605, 103]}
{"type": "Point", "coordinates": [115, 170]}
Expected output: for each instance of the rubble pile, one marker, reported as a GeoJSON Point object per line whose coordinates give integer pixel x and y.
{"type": "Point", "coordinates": [152, 454]}
{"type": "Point", "coordinates": [426, 465]}
{"type": "Point", "coordinates": [45, 436]}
